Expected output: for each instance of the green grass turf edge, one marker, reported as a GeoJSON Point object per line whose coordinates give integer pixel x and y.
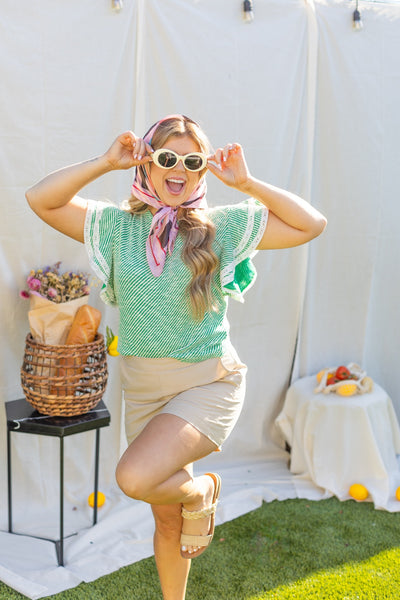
{"type": "Point", "coordinates": [284, 549]}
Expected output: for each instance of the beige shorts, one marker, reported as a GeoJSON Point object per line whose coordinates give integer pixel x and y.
{"type": "Point", "coordinates": [207, 394]}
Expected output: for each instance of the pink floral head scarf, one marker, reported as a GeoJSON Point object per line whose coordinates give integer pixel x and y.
{"type": "Point", "coordinates": [164, 226]}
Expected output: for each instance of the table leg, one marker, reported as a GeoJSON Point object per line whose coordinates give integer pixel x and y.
{"type": "Point", "coordinates": [61, 549]}
{"type": "Point", "coordinates": [9, 481]}
{"type": "Point", "coordinates": [96, 475]}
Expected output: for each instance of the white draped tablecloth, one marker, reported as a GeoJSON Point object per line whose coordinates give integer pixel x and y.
{"type": "Point", "coordinates": [336, 441]}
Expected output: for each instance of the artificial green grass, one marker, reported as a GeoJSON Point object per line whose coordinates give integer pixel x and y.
{"type": "Point", "coordinates": [293, 549]}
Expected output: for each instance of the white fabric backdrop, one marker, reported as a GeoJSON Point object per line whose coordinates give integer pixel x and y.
{"type": "Point", "coordinates": [315, 107]}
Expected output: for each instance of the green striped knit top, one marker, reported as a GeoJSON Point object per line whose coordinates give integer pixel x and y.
{"type": "Point", "coordinates": [155, 313]}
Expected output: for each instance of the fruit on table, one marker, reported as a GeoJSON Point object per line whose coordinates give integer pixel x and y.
{"type": "Point", "coordinates": [398, 493]}
{"type": "Point", "coordinates": [347, 389]}
{"type": "Point", "coordinates": [368, 384]}
{"type": "Point", "coordinates": [343, 373]}
{"type": "Point", "coordinates": [345, 381]}
{"type": "Point", "coordinates": [321, 374]}
{"type": "Point", "coordinates": [100, 499]}
{"type": "Point", "coordinates": [358, 492]}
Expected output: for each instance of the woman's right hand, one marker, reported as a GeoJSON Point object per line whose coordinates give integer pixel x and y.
{"type": "Point", "coordinates": [55, 197]}
{"type": "Point", "coordinates": [128, 151]}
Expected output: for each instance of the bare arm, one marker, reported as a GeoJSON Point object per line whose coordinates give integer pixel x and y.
{"type": "Point", "coordinates": [292, 221]}
{"type": "Point", "coordinates": [54, 199]}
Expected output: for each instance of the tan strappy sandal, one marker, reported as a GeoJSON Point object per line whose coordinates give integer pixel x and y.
{"type": "Point", "coordinates": [201, 540]}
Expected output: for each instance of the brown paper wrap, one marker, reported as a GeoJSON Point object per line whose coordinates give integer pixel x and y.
{"type": "Point", "coordinates": [49, 321]}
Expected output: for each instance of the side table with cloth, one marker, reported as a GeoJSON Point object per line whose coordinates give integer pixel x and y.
{"type": "Point", "coordinates": [340, 440]}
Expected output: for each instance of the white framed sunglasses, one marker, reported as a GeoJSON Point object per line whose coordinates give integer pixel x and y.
{"type": "Point", "coordinates": [167, 159]}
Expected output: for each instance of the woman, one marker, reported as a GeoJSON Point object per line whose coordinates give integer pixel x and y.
{"type": "Point", "coordinates": [170, 263]}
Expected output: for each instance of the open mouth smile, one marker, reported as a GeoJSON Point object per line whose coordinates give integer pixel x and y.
{"type": "Point", "coordinates": [175, 185]}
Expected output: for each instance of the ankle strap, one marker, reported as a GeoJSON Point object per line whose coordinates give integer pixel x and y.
{"type": "Point", "coordinates": [199, 514]}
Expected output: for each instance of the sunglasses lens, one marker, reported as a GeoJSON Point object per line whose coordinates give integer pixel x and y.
{"type": "Point", "coordinates": [167, 160]}
{"type": "Point", "coordinates": [193, 162]}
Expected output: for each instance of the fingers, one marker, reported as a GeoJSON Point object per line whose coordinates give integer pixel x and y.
{"type": "Point", "coordinates": [138, 147]}
{"type": "Point", "coordinates": [222, 155]}
{"type": "Point", "coordinates": [229, 150]}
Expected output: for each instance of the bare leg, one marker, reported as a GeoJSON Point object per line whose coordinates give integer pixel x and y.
{"type": "Point", "coordinates": [153, 467]}
{"type": "Point", "coordinates": [173, 570]}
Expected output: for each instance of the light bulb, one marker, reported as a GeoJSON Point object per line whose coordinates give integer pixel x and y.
{"type": "Point", "coordinates": [248, 14]}
{"type": "Point", "coordinates": [357, 23]}
{"type": "Point", "coordinates": [117, 5]}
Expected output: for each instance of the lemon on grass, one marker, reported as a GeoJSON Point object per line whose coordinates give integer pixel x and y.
{"type": "Point", "coordinates": [358, 492]}
{"type": "Point", "coordinates": [100, 499]}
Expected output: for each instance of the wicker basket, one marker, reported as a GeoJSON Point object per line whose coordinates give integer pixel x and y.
{"type": "Point", "coordinates": [64, 381]}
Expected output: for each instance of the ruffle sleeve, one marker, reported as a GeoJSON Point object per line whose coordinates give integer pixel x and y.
{"type": "Point", "coordinates": [101, 224]}
{"type": "Point", "coordinates": [243, 229]}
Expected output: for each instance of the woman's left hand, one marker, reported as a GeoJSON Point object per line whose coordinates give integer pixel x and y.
{"type": "Point", "coordinates": [229, 165]}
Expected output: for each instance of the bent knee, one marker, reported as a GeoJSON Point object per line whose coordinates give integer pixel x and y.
{"type": "Point", "coordinates": [132, 481]}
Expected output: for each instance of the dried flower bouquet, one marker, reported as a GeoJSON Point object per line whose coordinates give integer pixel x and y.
{"type": "Point", "coordinates": [54, 299]}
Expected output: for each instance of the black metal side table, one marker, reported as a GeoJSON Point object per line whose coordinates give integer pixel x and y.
{"type": "Point", "coordinates": [23, 418]}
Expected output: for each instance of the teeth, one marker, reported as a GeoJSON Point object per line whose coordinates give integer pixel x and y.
{"type": "Point", "coordinates": [176, 180]}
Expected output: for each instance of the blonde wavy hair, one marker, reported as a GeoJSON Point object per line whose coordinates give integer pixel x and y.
{"type": "Point", "coordinates": [196, 227]}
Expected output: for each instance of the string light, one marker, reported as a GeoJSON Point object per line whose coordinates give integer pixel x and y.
{"type": "Point", "coordinates": [117, 5]}
{"type": "Point", "coordinates": [248, 14]}
{"type": "Point", "coordinates": [357, 23]}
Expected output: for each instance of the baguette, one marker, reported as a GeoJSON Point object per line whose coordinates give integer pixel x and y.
{"type": "Point", "coordinates": [84, 326]}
